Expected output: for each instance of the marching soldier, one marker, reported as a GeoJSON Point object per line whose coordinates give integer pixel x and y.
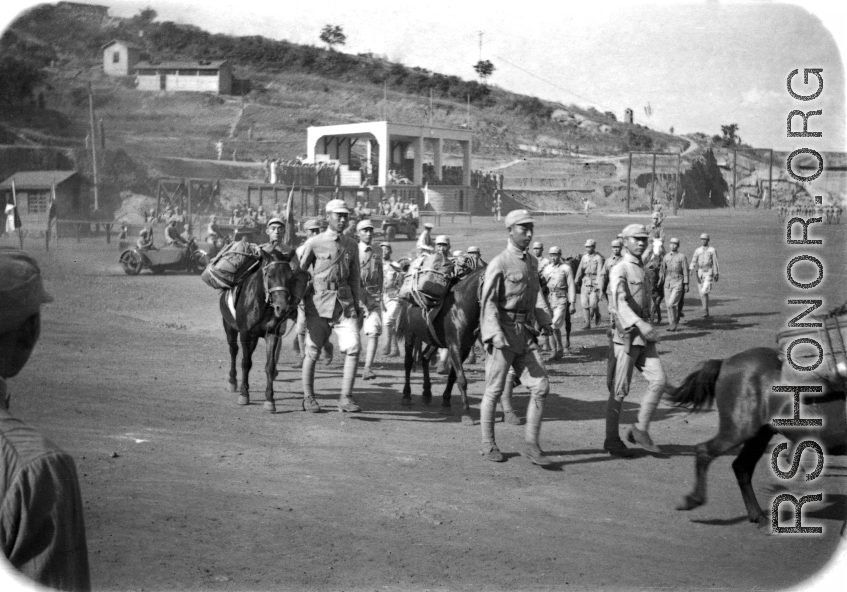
{"type": "Point", "coordinates": [333, 303]}
{"type": "Point", "coordinates": [634, 342]}
{"type": "Point", "coordinates": [705, 264]}
{"type": "Point", "coordinates": [511, 301]}
{"type": "Point", "coordinates": [425, 238]}
{"type": "Point", "coordinates": [675, 272]}
{"type": "Point", "coordinates": [538, 251]}
{"type": "Point", "coordinates": [392, 273]}
{"type": "Point", "coordinates": [442, 245]}
{"type": "Point", "coordinates": [562, 298]}
{"type": "Point", "coordinates": [275, 229]}
{"type": "Point", "coordinates": [589, 275]}
{"type": "Point", "coordinates": [616, 256]}
{"type": "Point", "coordinates": [312, 228]}
{"type": "Point", "coordinates": [370, 273]}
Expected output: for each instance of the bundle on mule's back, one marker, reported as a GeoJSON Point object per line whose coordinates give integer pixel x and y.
{"type": "Point", "coordinates": [698, 389]}
{"type": "Point", "coordinates": [231, 265]}
{"type": "Point", "coordinates": [427, 284]}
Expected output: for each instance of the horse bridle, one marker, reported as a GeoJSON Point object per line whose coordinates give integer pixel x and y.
{"type": "Point", "coordinates": [266, 283]}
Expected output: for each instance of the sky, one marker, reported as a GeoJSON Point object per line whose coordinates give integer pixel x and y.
{"type": "Point", "coordinates": [691, 65]}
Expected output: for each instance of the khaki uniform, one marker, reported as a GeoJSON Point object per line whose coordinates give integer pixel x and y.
{"type": "Point", "coordinates": [607, 269]}
{"type": "Point", "coordinates": [424, 240]}
{"type": "Point", "coordinates": [371, 275]}
{"type": "Point", "coordinates": [630, 288]}
{"type": "Point", "coordinates": [705, 264]}
{"type": "Point", "coordinates": [675, 272]}
{"type": "Point", "coordinates": [562, 292]}
{"type": "Point", "coordinates": [511, 302]}
{"type": "Point", "coordinates": [590, 275]}
{"type": "Point", "coordinates": [391, 282]}
{"type": "Point", "coordinates": [331, 302]}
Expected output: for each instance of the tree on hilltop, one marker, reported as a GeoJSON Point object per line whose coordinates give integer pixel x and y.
{"type": "Point", "coordinates": [484, 68]}
{"type": "Point", "coordinates": [333, 35]}
{"type": "Point", "coordinates": [729, 138]}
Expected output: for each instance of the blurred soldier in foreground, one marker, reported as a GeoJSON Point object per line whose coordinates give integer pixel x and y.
{"type": "Point", "coordinates": [42, 531]}
{"type": "Point", "coordinates": [370, 273]}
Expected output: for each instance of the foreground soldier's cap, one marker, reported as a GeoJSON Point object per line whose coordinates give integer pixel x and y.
{"type": "Point", "coordinates": [675, 240]}
{"type": "Point", "coordinates": [338, 206]}
{"type": "Point", "coordinates": [635, 231]}
{"type": "Point", "coordinates": [429, 225]}
{"type": "Point", "coordinates": [473, 250]}
{"type": "Point", "coordinates": [276, 220]}
{"type": "Point", "coordinates": [704, 235]}
{"type": "Point", "coordinates": [312, 224]}
{"type": "Point", "coordinates": [21, 293]}
{"type": "Point", "coordinates": [364, 224]}
{"type": "Point", "coordinates": [442, 239]}
{"type": "Point", "coordinates": [617, 243]}
{"type": "Point", "coordinates": [537, 245]}
{"type": "Point", "coordinates": [591, 243]}
{"type": "Point", "coordinates": [518, 217]}
{"type": "Point", "coordinates": [555, 251]}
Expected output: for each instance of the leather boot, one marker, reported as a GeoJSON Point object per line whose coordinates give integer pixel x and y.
{"type": "Point", "coordinates": [613, 443]}
{"type": "Point", "coordinates": [309, 402]}
{"type": "Point", "coordinates": [346, 402]}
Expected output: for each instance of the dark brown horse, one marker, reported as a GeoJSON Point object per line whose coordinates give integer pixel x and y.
{"type": "Point", "coordinates": [741, 385]}
{"type": "Point", "coordinates": [267, 297]}
{"type": "Point", "coordinates": [455, 327]}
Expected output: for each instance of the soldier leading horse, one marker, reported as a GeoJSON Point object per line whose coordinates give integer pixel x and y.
{"type": "Point", "coordinates": [266, 298]}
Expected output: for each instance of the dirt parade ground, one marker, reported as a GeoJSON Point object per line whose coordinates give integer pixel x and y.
{"type": "Point", "coordinates": [186, 490]}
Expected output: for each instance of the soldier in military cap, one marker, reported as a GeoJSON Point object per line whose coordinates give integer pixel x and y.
{"type": "Point", "coordinates": [675, 272]}
{"type": "Point", "coordinates": [371, 275]}
{"type": "Point", "coordinates": [425, 238]}
{"type": "Point", "coordinates": [312, 228]}
{"type": "Point", "coordinates": [544, 342]}
{"type": "Point", "coordinates": [333, 303]}
{"type": "Point", "coordinates": [589, 275]}
{"type": "Point", "coordinates": [475, 258]}
{"type": "Point", "coordinates": [704, 263]}
{"type": "Point", "coordinates": [392, 274]}
{"type": "Point", "coordinates": [616, 256]}
{"type": "Point", "coordinates": [511, 301]}
{"type": "Point", "coordinates": [42, 531]}
{"type": "Point", "coordinates": [562, 299]}
{"type": "Point", "coordinates": [634, 342]}
{"type": "Point", "coordinates": [538, 251]}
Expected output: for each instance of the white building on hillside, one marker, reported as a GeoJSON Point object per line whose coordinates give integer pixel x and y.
{"type": "Point", "coordinates": [120, 57]}
{"type": "Point", "coordinates": [204, 76]}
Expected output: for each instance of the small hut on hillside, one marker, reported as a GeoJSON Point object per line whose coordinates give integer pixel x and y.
{"type": "Point", "coordinates": [33, 189]}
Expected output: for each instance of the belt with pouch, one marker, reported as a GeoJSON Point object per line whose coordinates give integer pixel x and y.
{"type": "Point", "coordinates": [518, 316]}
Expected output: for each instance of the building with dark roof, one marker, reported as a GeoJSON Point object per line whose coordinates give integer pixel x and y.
{"type": "Point", "coordinates": [33, 189]}
{"type": "Point", "coordinates": [203, 76]}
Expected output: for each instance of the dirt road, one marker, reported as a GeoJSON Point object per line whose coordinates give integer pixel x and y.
{"type": "Point", "coordinates": [185, 490]}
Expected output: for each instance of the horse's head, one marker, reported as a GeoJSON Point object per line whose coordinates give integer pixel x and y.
{"type": "Point", "coordinates": [276, 276]}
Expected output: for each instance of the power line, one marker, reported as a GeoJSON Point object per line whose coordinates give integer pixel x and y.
{"type": "Point", "coordinates": [554, 84]}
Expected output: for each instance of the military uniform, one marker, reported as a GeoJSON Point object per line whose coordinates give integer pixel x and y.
{"type": "Point", "coordinates": [424, 239]}
{"type": "Point", "coordinates": [608, 264]}
{"type": "Point", "coordinates": [675, 272]}
{"type": "Point", "coordinates": [332, 304]}
{"type": "Point", "coordinates": [392, 280]}
{"type": "Point", "coordinates": [630, 288]}
{"type": "Point", "coordinates": [590, 275]}
{"type": "Point", "coordinates": [705, 263]}
{"type": "Point", "coordinates": [561, 296]}
{"type": "Point", "coordinates": [511, 301]}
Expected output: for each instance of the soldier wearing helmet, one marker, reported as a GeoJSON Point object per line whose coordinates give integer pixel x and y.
{"type": "Point", "coordinates": [675, 271]}
{"type": "Point", "coordinates": [589, 275]}
{"type": "Point", "coordinates": [562, 297]}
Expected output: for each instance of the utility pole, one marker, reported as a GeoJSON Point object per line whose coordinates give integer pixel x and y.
{"type": "Point", "coordinates": [481, 33]}
{"type": "Point", "coordinates": [93, 145]}
{"type": "Point", "coordinates": [734, 175]}
{"type": "Point", "coordinates": [430, 107]}
{"type": "Point", "coordinates": [628, 181]}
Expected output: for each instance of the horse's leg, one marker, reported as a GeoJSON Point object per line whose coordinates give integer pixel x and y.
{"type": "Point", "coordinates": [408, 362]}
{"type": "Point", "coordinates": [248, 345]}
{"type": "Point", "coordinates": [272, 342]}
{"type": "Point", "coordinates": [457, 373]}
{"type": "Point", "coordinates": [426, 396]}
{"type": "Point", "coordinates": [448, 391]}
{"type": "Point", "coordinates": [706, 453]}
{"type": "Point", "coordinates": [744, 465]}
{"type": "Point", "coordinates": [277, 349]}
{"type": "Point", "coordinates": [232, 341]}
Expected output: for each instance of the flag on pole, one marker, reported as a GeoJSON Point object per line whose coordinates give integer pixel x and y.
{"type": "Point", "coordinates": [13, 220]}
{"type": "Point", "coordinates": [290, 237]}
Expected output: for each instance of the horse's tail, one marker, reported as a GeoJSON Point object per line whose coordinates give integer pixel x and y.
{"type": "Point", "coordinates": [698, 389]}
{"type": "Point", "coordinates": [402, 326]}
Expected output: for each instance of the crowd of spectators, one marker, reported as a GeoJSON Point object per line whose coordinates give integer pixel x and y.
{"type": "Point", "coordinates": [295, 172]}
